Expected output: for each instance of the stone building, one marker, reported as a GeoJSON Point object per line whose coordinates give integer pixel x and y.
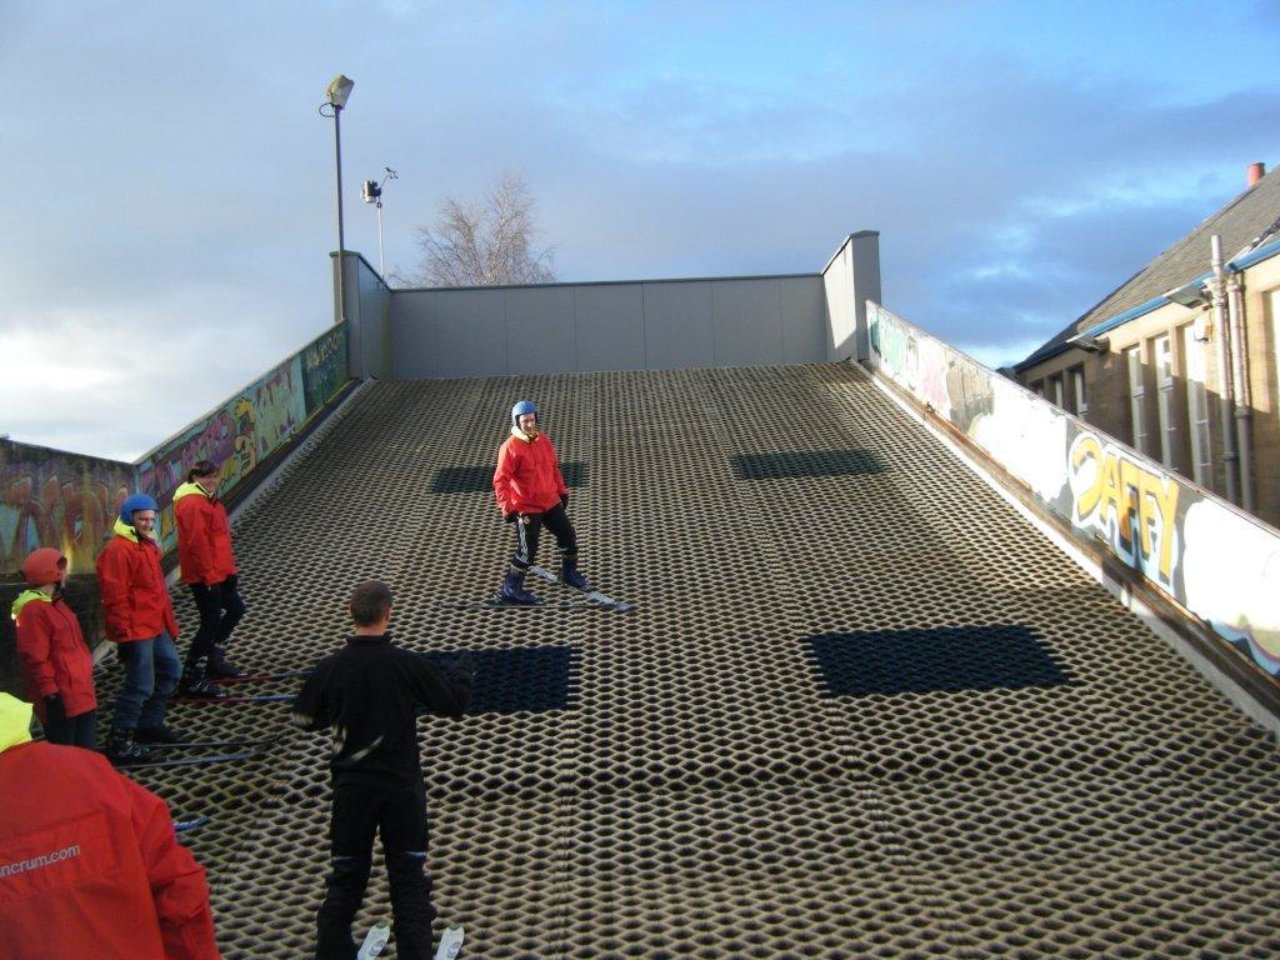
{"type": "Point", "coordinates": [1181, 360]}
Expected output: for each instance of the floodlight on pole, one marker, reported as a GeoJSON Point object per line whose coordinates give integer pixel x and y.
{"type": "Point", "coordinates": [372, 193]}
{"type": "Point", "coordinates": [336, 95]}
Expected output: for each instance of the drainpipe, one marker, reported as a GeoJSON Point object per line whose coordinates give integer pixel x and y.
{"type": "Point", "coordinates": [1219, 286]}
{"type": "Point", "coordinates": [1242, 398]}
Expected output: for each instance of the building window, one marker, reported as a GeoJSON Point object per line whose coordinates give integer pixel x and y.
{"type": "Point", "coordinates": [1197, 406]}
{"type": "Point", "coordinates": [1079, 399]}
{"type": "Point", "coordinates": [1163, 353]}
{"type": "Point", "coordinates": [1274, 298]}
{"type": "Point", "coordinates": [1055, 390]}
{"type": "Point", "coordinates": [1038, 388]}
{"type": "Point", "coordinates": [1137, 399]}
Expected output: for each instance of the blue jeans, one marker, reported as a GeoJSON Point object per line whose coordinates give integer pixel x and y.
{"type": "Point", "coordinates": [151, 672]}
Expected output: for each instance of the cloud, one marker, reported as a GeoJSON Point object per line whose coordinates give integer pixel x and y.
{"type": "Point", "coordinates": [1017, 172]}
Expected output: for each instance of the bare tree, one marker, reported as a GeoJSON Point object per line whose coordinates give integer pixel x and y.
{"type": "Point", "coordinates": [485, 245]}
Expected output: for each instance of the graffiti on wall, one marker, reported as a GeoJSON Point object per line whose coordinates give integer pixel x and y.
{"type": "Point", "coordinates": [324, 367]}
{"type": "Point", "coordinates": [247, 428]}
{"type": "Point", "coordinates": [1219, 564]}
{"type": "Point", "coordinates": [1133, 506]}
{"type": "Point", "coordinates": [54, 499]}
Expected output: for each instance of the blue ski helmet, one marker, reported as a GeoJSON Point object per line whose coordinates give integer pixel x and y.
{"type": "Point", "coordinates": [139, 501]}
{"type": "Point", "coordinates": [522, 408]}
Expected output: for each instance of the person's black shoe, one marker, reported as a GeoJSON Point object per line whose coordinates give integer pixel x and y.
{"type": "Point", "coordinates": [123, 749]}
{"type": "Point", "coordinates": [200, 688]}
{"type": "Point", "coordinates": [159, 734]}
{"type": "Point", "coordinates": [220, 666]}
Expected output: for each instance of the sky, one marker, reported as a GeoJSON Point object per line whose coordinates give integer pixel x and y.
{"type": "Point", "coordinates": [168, 205]}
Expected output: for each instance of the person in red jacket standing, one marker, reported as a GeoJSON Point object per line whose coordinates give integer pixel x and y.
{"type": "Point", "coordinates": [531, 493]}
{"type": "Point", "coordinates": [90, 865]}
{"type": "Point", "coordinates": [209, 571]}
{"type": "Point", "coordinates": [56, 663]}
{"type": "Point", "coordinates": [139, 619]}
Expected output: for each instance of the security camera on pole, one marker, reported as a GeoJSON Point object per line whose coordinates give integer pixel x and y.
{"type": "Point", "coordinates": [372, 193]}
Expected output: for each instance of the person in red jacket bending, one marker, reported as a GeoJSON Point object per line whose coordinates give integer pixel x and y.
{"type": "Point", "coordinates": [90, 865]}
{"type": "Point", "coordinates": [531, 493]}
{"type": "Point", "coordinates": [209, 571]}
{"type": "Point", "coordinates": [56, 663]}
{"type": "Point", "coordinates": [139, 619]}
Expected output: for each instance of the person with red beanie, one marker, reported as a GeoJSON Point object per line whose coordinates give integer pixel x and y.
{"type": "Point", "coordinates": [90, 865]}
{"type": "Point", "coordinates": [209, 571]}
{"type": "Point", "coordinates": [139, 619]}
{"type": "Point", "coordinates": [56, 662]}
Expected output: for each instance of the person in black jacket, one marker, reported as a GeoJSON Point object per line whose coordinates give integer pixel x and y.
{"type": "Point", "coordinates": [371, 693]}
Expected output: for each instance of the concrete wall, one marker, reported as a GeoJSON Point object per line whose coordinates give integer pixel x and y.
{"type": "Point", "coordinates": [645, 325]}
{"type": "Point", "coordinates": [850, 279]}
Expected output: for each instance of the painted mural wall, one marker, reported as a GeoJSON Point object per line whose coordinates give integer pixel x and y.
{"type": "Point", "coordinates": [50, 497]}
{"type": "Point", "coordinates": [53, 498]}
{"type": "Point", "coordinates": [1217, 562]}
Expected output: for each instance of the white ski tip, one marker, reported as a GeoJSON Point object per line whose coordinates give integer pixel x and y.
{"type": "Point", "coordinates": [450, 944]}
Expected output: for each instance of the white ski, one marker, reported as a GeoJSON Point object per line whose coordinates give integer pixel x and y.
{"type": "Point", "coordinates": [375, 940]}
{"type": "Point", "coordinates": [450, 944]}
{"type": "Point", "coordinates": [595, 596]}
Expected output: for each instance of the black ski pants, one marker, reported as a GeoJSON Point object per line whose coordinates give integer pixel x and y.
{"type": "Point", "coordinates": [529, 529]}
{"type": "Point", "coordinates": [397, 810]}
{"type": "Point", "coordinates": [220, 609]}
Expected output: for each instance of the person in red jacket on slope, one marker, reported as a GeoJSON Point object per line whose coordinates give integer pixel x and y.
{"type": "Point", "coordinates": [56, 663]}
{"type": "Point", "coordinates": [139, 619]}
{"type": "Point", "coordinates": [90, 865]}
{"type": "Point", "coordinates": [531, 493]}
{"type": "Point", "coordinates": [209, 571]}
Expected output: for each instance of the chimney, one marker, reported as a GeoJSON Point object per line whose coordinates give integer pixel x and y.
{"type": "Point", "coordinates": [1256, 172]}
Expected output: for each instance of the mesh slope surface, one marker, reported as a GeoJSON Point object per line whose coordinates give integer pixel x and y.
{"type": "Point", "coordinates": [860, 708]}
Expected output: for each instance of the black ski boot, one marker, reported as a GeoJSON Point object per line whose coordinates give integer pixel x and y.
{"type": "Point", "coordinates": [513, 590]}
{"type": "Point", "coordinates": [195, 681]}
{"type": "Point", "coordinates": [220, 667]}
{"type": "Point", "coordinates": [123, 749]}
{"type": "Point", "coordinates": [162, 733]}
{"type": "Point", "coordinates": [569, 574]}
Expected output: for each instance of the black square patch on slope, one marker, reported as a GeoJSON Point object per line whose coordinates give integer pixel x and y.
{"type": "Point", "coordinates": [480, 479]}
{"type": "Point", "coordinates": [983, 657]}
{"type": "Point", "coordinates": [521, 679]}
{"type": "Point", "coordinates": [794, 464]}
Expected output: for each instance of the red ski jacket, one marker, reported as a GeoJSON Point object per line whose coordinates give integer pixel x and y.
{"type": "Point", "coordinates": [53, 653]}
{"type": "Point", "coordinates": [528, 478]}
{"type": "Point", "coordinates": [90, 865]}
{"type": "Point", "coordinates": [135, 600]}
{"type": "Point", "coordinates": [204, 536]}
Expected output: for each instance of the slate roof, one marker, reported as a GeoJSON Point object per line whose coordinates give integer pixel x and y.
{"type": "Point", "coordinates": [1246, 223]}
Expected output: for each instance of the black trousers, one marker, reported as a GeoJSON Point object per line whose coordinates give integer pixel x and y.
{"type": "Point", "coordinates": [77, 731]}
{"type": "Point", "coordinates": [528, 532]}
{"type": "Point", "coordinates": [398, 812]}
{"type": "Point", "coordinates": [220, 609]}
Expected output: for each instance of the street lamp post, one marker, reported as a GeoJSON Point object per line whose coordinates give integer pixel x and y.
{"type": "Point", "coordinates": [337, 93]}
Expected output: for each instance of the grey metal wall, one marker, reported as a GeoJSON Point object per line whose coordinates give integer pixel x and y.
{"type": "Point", "coordinates": [587, 327]}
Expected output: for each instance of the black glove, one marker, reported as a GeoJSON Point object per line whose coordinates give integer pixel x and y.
{"type": "Point", "coordinates": [511, 517]}
{"type": "Point", "coordinates": [55, 711]}
{"type": "Point", "coordinates": [564, 501]}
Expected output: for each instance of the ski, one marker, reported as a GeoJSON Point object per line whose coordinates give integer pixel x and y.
{"type": "Point", "coordinates": [202, 761]}
{"type": "Point", "coordinates": [595, 596]}
{"type": "Point", "coordinates": [450, 943]}
{"type": "Point", "coordinates": [494, 603]}
{"type": "Point", "coordinates": [375, 941]}
{"type": "Point", "coordinates": [237, 698]}
{"type": "Point", "coordinates": [261, 677]}
{"type": "Point", "coordinates": [235, 742]}
{"type": "Point", "coordinates": [193, 823]}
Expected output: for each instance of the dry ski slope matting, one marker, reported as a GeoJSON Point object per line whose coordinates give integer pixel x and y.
{"type": "Point", "coordinates": [860, 708]}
